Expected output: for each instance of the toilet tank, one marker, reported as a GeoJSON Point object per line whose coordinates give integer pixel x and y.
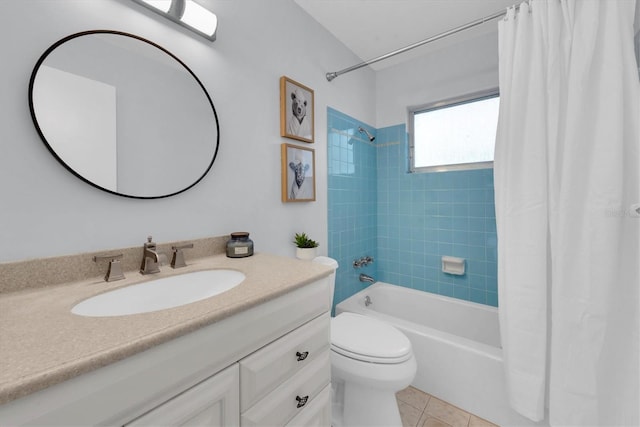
{"type": "Point", "coordinates": [333, 264]}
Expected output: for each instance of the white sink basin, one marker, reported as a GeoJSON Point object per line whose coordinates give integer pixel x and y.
{"type": "Point", "coordinates": [160, 294]}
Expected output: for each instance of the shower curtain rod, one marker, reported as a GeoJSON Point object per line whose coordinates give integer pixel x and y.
{"type": "Point", "coordinates": [332, 75]}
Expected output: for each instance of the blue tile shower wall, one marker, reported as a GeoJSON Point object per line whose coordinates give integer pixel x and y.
{"type": "Point", "coordinates": [407, 221]}
{"type": "Point", "coordinates": [423, 216]}
{"type": "Point", "coordinates": [351, 200]}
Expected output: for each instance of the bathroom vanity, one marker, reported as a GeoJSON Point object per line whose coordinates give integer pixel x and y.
{"type": "Point", "coordinates": [255, 355]}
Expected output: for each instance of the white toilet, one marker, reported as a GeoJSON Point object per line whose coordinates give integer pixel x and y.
{"type": "Point", "coordinates": [370, 361]}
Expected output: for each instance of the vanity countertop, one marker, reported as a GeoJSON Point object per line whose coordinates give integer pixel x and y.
{"type": "Point", "coordinates": [42, 343]}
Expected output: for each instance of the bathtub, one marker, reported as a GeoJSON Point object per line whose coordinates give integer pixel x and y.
{"type": "Point", "coordinates": [456, 344]}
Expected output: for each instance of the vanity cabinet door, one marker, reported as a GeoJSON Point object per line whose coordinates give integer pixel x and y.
{"type": "Point", "coordinates": [213, 402]}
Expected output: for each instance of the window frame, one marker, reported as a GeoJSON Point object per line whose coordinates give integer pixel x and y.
{"type": "Point", "coordinates": [446, 103]}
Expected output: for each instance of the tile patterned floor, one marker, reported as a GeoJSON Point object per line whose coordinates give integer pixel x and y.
{"type": "Point", "coordinates": [419, 409]}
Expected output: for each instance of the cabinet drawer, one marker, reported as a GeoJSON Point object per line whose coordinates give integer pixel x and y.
{"type": "Point", "coordinates": [290, 397]}
{"type": "Point", "coordinates": [315, 414]}
{"type": "Point", "coordinates": [265, 369]}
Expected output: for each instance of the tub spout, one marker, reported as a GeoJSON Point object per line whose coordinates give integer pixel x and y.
{"type": "Point", "coordinates": [366, 278]}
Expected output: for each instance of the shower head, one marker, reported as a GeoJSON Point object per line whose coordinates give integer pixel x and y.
{"type": "Point", "coordinates": [366, 132]}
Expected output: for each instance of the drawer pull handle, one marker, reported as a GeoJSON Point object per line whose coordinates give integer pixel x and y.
{"type": "Point", "coordinates": [301, 356]}
{"type": "Point", "coordinates": [302, 401]}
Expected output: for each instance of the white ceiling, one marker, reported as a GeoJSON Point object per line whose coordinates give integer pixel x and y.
{"type": "Point", "coordinates": [371, 28]}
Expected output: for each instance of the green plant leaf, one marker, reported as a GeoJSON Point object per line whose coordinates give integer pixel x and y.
{"type": "Point", "coordinates": [303, 241]}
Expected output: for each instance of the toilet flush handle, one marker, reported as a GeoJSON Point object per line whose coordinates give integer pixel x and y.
{"type": "Point", "coordinates": [301, 356]}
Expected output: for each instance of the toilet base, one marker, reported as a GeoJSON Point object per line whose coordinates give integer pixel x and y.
{"type": "Point", "coordinates": [356, 405]}
{"type": "Point", "coordinates": [364, 394]}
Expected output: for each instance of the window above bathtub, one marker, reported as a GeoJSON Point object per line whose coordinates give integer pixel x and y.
{"type": "Point", "coordinates": [454, 134]}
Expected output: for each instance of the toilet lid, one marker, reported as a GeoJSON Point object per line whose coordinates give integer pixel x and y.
{"type": "Point", "coordinates": [367, 339]}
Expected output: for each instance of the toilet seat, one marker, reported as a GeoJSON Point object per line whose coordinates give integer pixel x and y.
{"type": "Point", "coordinates": [369, 340]}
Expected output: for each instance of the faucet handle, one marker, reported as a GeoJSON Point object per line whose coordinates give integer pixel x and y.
{"type": "Point", "coordinates": [149, 243]}
{"type": "Point", "coordinates": [115, 268]}
{"type": "Point", "coordinates": [365, 260]}
{"type": "Point", "coordinates": [177, 260]}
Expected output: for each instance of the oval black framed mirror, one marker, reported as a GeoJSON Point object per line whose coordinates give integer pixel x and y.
{"type": "Point", "coordinates": [124, 114]}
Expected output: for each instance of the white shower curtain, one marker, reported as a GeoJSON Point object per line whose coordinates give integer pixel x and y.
{"type": "Point", "coordinates": [566, 176]}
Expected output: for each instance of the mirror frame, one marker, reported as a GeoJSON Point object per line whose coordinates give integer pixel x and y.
{"type": "Point", "coordinates": [69, 168]}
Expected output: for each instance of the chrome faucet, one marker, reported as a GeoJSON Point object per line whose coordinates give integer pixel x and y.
{"type": "Point", "coordinates": [367, 278]}
{"type": "Point", "coordinates": [150, 258]}
{"type": "Point", "coordinates": [365, 260]}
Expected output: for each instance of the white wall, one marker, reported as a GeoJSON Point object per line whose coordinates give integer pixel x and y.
{"type": "Point", "coordinates": [454, 70]}
{"type": "Point", "coordinates": [46, 211]}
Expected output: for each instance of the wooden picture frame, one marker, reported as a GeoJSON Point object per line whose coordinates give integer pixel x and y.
{"type": "Point", "coordinates": [298, 173]}
{"type": "Point", "coordinates": [297, 112]}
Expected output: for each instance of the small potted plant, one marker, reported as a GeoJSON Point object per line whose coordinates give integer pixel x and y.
{"type": "Point", "coordinates": [305, 247]}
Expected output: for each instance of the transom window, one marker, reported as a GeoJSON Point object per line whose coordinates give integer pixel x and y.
{"type": "Point", "coordinates": [454, 134]}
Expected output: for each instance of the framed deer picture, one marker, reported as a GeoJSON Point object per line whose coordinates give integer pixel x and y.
{"type": "Point", "coordinates": [298, 174]}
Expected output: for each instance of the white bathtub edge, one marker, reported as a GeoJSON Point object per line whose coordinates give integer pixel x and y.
{"type": "Point", "coordinates": [450, 364]}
